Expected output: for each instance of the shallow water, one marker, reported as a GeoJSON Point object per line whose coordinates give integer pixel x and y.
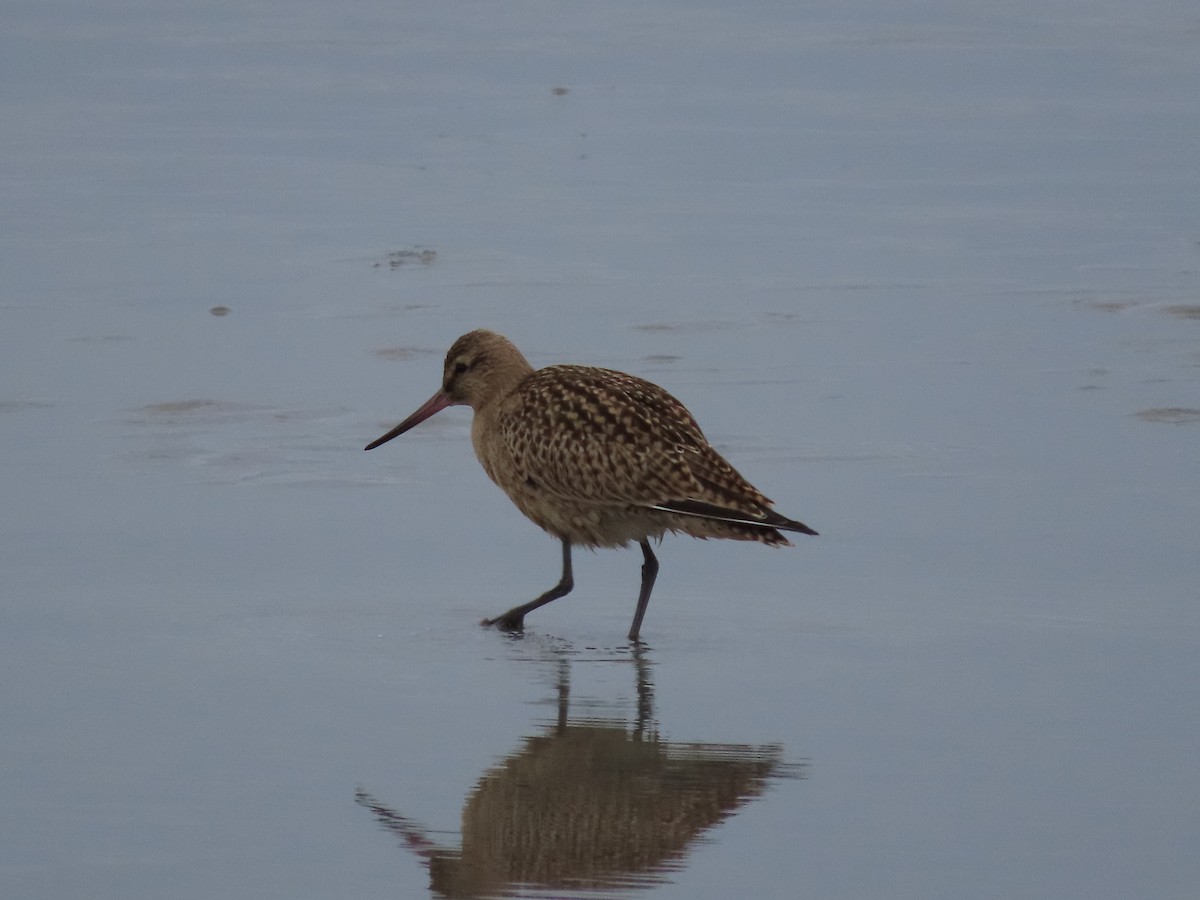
{"type": "Point", "coordinates": [928, 275]}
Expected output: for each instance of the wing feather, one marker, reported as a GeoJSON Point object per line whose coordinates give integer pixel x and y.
{"type": "Point", "coordinates": [595, 435]}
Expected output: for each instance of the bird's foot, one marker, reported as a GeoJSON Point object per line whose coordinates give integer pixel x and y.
{"type": "Point", "coordinates": [506, 622]}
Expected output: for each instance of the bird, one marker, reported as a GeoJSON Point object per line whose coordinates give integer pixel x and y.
{"type": "Point", "coordinates": [596, 458]}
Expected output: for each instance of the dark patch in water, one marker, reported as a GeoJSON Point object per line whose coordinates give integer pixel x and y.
{"type": "Point", "coordinates": [179, 406]}
{"type": "Point", "coordinates": [1111, 305]}
{"type": "Point", "coordinates": [1184, 311]}
{"type": "Point", "coordinates": [198, 411]}
{"type": "Point", "coordinates": [1170, 415]}
{"type": "Point", "coordinates": [419, 256]}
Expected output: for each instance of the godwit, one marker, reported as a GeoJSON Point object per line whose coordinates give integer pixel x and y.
{"type": "Point", "coordinates": [595, 457]}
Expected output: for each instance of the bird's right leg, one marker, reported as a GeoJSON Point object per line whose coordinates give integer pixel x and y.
{"type": "Point", "coordinates": [649, 573]}
{"type": "Point", "coordinates": [514, 619]}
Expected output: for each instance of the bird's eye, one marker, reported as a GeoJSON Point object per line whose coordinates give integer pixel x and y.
{"type": "Point", "coordinates": [461, 366]}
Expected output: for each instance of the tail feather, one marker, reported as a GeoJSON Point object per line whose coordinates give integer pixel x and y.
{"type": "Point", "coordinates": [761, 518]}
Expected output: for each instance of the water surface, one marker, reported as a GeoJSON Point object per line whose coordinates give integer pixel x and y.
{"type": "Point", "coordinates": [928, 275]}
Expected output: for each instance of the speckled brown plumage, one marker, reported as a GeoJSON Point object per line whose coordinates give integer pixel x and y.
{"type": "Point", "coordinates": [595, 457]}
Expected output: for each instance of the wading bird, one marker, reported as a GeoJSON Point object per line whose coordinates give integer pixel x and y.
{"type": "Point", "coordinates": [595, 457]}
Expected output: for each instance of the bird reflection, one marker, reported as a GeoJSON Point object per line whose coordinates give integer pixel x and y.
{"type": "Point", "coordinates": [589, 804]}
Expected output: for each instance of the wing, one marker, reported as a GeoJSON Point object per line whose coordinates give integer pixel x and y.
{"type": "Point", "coordinates": [600, 436]}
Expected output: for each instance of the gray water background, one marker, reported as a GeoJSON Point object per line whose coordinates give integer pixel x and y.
{"type": "Point", "coordinates": [927, 273]}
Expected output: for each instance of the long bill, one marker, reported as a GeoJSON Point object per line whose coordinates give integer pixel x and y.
{"type": "Point", "coordinates": [436, 403]}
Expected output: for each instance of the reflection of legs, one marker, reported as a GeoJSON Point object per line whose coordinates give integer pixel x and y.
{"type": "Point", "coordinates": [649, 573]}
{"type": "Point", "coordinates": [564, 692]}
{"type": "Point", "coordinates": [645, 693]}
{"type": "Point", "coordinates": [514, 619]}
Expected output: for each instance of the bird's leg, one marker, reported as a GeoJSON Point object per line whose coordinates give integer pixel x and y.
{"type": "Point", "coordinates": [649, 573]}
{"type": "Point", "coordinates": [514, 619]}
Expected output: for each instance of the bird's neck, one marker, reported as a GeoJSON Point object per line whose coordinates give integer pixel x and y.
{"type": "Point", "coordinates": [500, 384]}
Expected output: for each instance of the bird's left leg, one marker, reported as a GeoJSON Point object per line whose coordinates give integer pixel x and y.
{"type": "Point", "coordinates": [514, 619]}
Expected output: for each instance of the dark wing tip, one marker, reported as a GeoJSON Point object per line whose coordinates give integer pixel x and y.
{"type": "Point", "coordinates": [793, 525]}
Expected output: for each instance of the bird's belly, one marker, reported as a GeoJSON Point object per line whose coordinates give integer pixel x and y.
{"type": "Point", "coordinates": [589, 524]}
{"type": "Point", "coordinates": [581, 521]}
